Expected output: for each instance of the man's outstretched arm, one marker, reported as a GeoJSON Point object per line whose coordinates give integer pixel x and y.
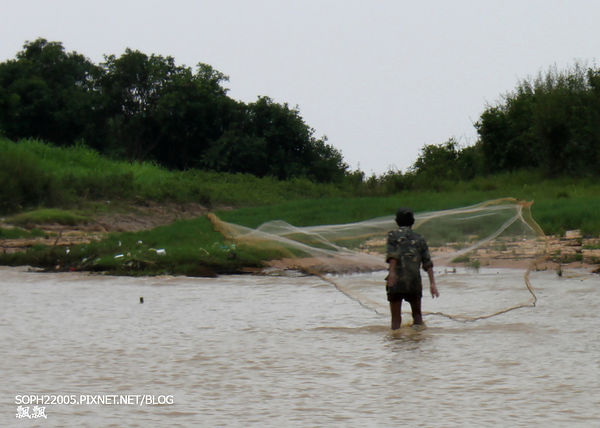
{"type": "Point", "coordinates": [432, 287]}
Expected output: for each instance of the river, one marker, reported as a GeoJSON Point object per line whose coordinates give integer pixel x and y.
{"type": "Point", "coordinates": [294, 351]}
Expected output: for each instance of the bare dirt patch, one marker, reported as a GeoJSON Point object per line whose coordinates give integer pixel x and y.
{"type": "Point", "coordinates": [136, 217]}
{"type": "Point", "coordinates": [148, 216]}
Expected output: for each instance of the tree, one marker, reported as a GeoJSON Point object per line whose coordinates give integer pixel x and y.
{"type": "Point", "coordinates": [48, 93]}
{"type": "Point", "coordinates": [438, 161]}
{"type": "Point", "coordinates": [145, 107]}
{"type": "Point", "coordinates": [551, 122]}
{"type": "Point", "coordinates": [326, 162]}
{"type": "Point", "coordinates": [132, 86]}
{"type": "Point", "coordinates": [272, 139]}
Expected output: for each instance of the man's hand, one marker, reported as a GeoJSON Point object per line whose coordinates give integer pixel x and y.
{"type": "Point", "coordinates": [434, 290]}
{"type": "Point", "coordinates": [432, 287]}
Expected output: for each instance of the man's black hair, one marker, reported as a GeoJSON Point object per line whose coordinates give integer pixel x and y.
{"type": "Point", "coordinates": [405, 217]}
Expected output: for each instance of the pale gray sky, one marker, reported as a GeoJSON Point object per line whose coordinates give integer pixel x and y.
{"type": "Point", "coordinates": [379, 78]}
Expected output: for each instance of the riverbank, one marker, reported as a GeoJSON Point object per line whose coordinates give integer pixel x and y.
{"type": "Point", "coordinates": [55, 233]}
{"type": "Point", "coordinates": [70, 208]}
{"type": "Point", "coordinates": [143, 239]}
{"type": "Point", "coordinates": [151, 238]}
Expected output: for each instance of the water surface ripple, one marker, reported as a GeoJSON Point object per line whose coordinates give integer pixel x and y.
{"type": "Point", "coordinates": [294, 351]}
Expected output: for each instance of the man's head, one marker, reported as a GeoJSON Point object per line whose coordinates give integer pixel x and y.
{"type": "Point", "coordinates": [404, 217]}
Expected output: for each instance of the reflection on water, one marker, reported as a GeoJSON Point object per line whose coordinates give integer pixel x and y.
{"type": "Point", "coordinates": [282, 351]}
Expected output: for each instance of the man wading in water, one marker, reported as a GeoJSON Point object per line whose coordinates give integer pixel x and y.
{"type": "Point", "coordinates": [407, 252]}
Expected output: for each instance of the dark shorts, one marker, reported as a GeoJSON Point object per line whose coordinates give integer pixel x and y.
{"type": "Point", "coordinates": [409, 297]}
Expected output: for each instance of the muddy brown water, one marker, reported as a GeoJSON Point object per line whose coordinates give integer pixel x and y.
{"type": "Point", "coordinates": [294, 351]}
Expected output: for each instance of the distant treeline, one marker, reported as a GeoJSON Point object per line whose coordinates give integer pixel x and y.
{"type": "Point", "coordinates": [142, 107]}
{"type": "Point", "coordinates": [147, 108]}
{"type": "Point", "coordinates": [550, 123]}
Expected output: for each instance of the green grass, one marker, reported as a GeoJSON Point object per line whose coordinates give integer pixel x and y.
{"type": "Point", "coordinates": [192, 247]}
{"type": "Point", "coordinates": [71, 185]}
{"type": "Point", "coordinates": [189, 247]}
{"type": "Point", "coordinates": [311, 212]}
{"type": "Point", "coordinates": [48, 216]}
{"type": "Point", "coordinates": [558, 205]}
{"type": "Point", "coordinates": [17, 232]}
{"type": "Point", "coordinates": [34, 174]}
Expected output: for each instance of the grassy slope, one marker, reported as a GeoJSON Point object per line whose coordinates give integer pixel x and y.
{"type": "Point", "coordinates": [577, 207]}
{"type": "Point", "coordinates": [194, 248]}
{"type": "Point", "coordinates": [33, 173]}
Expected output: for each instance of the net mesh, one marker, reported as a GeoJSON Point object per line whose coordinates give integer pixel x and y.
{"type": "Point", "coordinates": [496, 233]}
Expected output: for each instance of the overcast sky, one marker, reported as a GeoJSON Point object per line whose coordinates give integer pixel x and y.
{"type": "Point", "coordinates": [379, 78]}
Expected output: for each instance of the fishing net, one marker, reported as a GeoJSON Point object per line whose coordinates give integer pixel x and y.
{"type": "Point", "coordinates": [494, 234]}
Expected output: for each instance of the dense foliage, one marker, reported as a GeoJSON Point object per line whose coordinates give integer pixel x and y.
{"type": "Point", "coordinates": [147, 108]}
{"type": "Point", "coordinates": [550, 123]}
{"type": "Point", "coordinates": [139, 107]}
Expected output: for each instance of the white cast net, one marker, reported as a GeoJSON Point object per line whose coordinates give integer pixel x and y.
{"type": "Point", "coordinates": [497, 233]}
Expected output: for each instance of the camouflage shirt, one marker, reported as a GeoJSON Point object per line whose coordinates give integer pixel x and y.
{"type": "Point", "coordinates": [410, 250]}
